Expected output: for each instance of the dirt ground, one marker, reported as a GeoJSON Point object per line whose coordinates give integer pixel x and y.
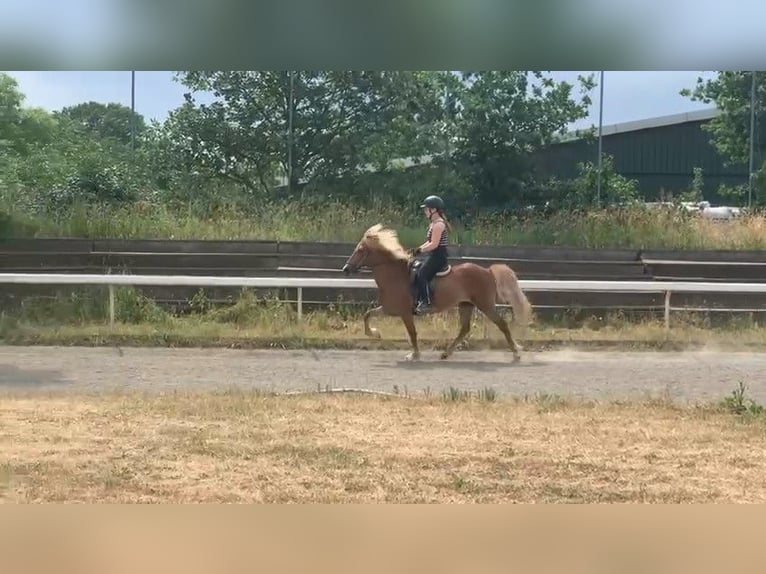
{"type": "Point", "coordinates": [683, 377]}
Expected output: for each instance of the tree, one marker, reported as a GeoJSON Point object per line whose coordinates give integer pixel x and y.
{"type": "Point", "coordinates": [54, 160]}
{"type": "Point", "coordinates": [107, 120]}
{"type": "Point", "coordinates": [730, 92]}
{"type": "Point", "coordinates": [21, 128]}
{"type": "Point", "coordinates": [730, 130]}
{"type": "Point", "coordinates": [308, 124]}
{"type": "Point", "coordinates": [503, 117]}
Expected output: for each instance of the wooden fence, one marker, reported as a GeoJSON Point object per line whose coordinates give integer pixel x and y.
{"type": "Point", "coordinates": [324, 259]}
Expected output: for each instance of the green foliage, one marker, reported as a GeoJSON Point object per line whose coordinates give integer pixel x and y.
{"type": "Point", "coordinates": [106, 121]}
{"type": "Point", "coordinates": [21, 128]}
{"type": "Point", "coordinates": [635, 227]}
{"type": "Point", "coordinates": [698, 184]}
{"type": "Point", "coordinates": [251, 310]}
{"type": "Point", "coordinates": [739, 404]}
{"type": "Point", "coordinates": [77, 306]}
{"type": "Point", "coordinates": [730, 92]}
{"type": "Point", "coordinates": [402, 189]}
{"type": "Point", "coordinates": [213, 170]}
{"type": "Point", "coordinates": [132, 306]}
{"type": "Point", "coordinates": [506, 116]}
{"type": "Point", "coordinates": [73, 169]}
{"type": "Point", "coordinates": [86, 305]}
{"type": "Point", "coordinates": [455, 394]}
{"type": "Point", "coordinates": [583, 191]}
{"type": "Point", "coordinates": [478, 129]}
{"type": "Point", "coordinates": [696, 191]}
{"type": "Point", "coordinates": [75, 166]}
{"type": "Point", "coordinates": [11, 227]}
{"type": "Point", "coordinates": [306, 124]}
{"type": "Point", "coordinates": [337, 134]}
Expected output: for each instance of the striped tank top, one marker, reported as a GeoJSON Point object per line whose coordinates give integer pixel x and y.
{"type": "Point", "coordinates": [444, 239]}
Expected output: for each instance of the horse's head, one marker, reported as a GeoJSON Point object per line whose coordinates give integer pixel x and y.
{"type": "Point", "coordinates": [358, 258]}
{"type": "Point", "coordinates": [378, 245]}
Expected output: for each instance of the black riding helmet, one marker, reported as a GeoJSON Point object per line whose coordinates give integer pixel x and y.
{"type": "Point", "coordinates": [433, 201]}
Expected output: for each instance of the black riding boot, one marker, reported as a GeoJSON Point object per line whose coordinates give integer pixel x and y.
{"type": "Point", "coordinates": [424, 301]}
{"type": "Point", "coordinates": [436, 261]}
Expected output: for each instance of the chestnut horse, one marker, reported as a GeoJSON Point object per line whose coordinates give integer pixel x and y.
{"type": "Point", "coordinates": [465, 285]}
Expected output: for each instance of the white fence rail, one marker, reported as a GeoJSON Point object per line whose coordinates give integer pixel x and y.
{"type": "Point", "coordinates": [299, 283]}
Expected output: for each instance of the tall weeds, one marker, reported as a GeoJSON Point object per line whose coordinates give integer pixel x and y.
{"type": "Point", "coordinates": [337, 221]}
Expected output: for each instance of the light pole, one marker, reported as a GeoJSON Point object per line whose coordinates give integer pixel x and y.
{"type": "Point", "coordinates": [600, 125]}
{"type": "Point", "coordinates": [752, 139]}
{"type": "Point", "coordinates": [132, 110]}
{"type": "Point", "coordinates": [290, 136]}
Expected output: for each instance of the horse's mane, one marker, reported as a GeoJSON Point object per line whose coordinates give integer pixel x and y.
{"type": "Point", "coordinates": [387, 240]}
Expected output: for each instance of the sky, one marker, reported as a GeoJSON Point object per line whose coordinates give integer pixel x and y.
{"type": "Point", "coordinates": [628, 95]}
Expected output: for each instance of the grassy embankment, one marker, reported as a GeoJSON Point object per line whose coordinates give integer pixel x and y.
{"type": "Point", "coordinates": [634, 229]}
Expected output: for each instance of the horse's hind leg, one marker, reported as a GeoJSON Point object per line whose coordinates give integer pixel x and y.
{"type": "Point", "coordinates": [372, 331]}
{"type": "Point", "coordinates": [465, 313]}
{"type": "Point", "coordinates": [490, 310]}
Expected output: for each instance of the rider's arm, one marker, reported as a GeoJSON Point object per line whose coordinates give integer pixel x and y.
{"type": "Point", "coordinates": [436, 234]}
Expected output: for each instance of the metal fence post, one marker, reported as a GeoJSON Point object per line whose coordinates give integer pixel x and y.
{"type": "Point", "coordinates": [300, 303]}
{"type": "Point", "coordinates": [667, 309]}
{"type": "Point", "coordinates": [111, 305]}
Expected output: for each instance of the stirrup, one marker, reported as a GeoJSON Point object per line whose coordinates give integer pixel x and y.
{"type": "Point", "coordinates": [422, 307]}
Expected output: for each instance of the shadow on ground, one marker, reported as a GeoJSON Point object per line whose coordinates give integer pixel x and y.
{"type": "Point", "coordinates": [481, 366]}
{"type": "Point", "coordinates": [15, 377]}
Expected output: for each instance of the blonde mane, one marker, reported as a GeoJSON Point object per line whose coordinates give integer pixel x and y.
{"type": "Point", "coordinates": [387, 240]}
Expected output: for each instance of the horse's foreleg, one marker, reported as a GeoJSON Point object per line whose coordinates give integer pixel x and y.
{"type": "Point", "coordinates": [409, 323]}
{"type": "Point", "coordinates": [372, 331]}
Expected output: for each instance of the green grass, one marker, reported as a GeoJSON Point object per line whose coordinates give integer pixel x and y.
{"type": "Point", "coordinates": [80, 318]}
{"type": "Point", "coordinates": [336, 221]}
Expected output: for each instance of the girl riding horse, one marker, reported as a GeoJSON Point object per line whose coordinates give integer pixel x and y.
{"type": "Point", "coordinates": [437, 239]}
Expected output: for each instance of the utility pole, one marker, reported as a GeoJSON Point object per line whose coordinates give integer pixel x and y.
{"type": "Point", "coordinates": [600, 127]}
{"type": "Point", "coordinates": [290, 136]}
{"type": "Point", "coordinates": [132, 110]}
{"type": "Point", "coordinates": [752, 139]}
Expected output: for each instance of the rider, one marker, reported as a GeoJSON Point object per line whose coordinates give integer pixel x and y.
{"type": "Point", "coordinates": [435, 245]}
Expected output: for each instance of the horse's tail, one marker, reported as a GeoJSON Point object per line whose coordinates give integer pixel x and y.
{"type": "Point", "coordinates": [509, 292]}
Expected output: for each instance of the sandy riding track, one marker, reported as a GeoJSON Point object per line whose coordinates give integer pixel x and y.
{"type": "Point", "coordinates": [690, 376]}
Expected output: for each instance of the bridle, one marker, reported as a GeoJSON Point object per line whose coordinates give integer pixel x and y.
{"type": "Point", "coordinates": [364, 258]}
{"type": "Point", "coordinates": [362, 264]}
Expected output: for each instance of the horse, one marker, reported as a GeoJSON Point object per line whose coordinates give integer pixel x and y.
{"type": "Point", "coordinates": [465, 285]}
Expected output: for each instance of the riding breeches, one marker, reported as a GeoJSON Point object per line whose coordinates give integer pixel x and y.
{"type": "Point", "coordinates": [435, 262]}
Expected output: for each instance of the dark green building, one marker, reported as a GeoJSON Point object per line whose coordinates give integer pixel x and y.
{"type": "Point", "coordinates": [659, 153]}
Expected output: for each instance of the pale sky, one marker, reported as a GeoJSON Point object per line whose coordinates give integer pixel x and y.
{"type": "Point", "coordinates": [628, 95]}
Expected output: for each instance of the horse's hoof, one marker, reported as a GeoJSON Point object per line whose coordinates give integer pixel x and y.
{"type": "Point", "coordinates": [412, 357]}
{"type": "Point", "coordinates": [516, 358]}
{"type": "Point", "coordinates": [444, 355]}
{"type": "Point", "coordinates": [374, 334]}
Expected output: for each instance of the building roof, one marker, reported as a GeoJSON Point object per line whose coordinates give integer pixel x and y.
{"type": "Point", "coordinates": [648, 123]}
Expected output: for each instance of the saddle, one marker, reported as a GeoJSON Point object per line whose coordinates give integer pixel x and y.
{"type": "Point", "coordinates": [415, 265]}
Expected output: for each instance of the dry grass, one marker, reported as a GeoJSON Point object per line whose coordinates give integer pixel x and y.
{"type": "Point", "coordinates": [236, 447]}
